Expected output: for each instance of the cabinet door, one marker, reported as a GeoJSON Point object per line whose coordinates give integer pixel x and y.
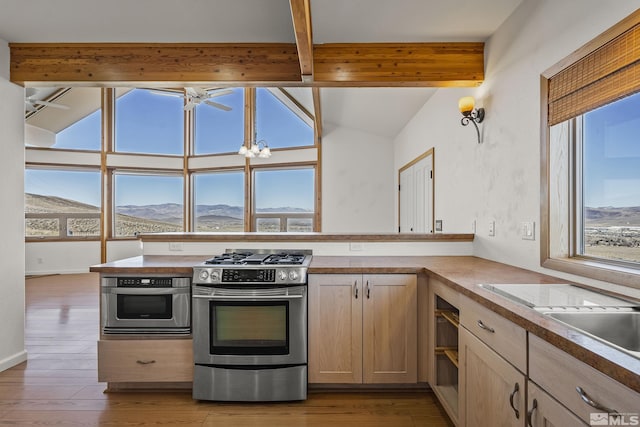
{"type": "Point", "coordinates": [335, 328]}
{"type": "Point", "coordinates": [491, 389]}
{"type": "Point", "coordinates": [390, 324]}
{"type": "Point", "coordinates": [544, 411]}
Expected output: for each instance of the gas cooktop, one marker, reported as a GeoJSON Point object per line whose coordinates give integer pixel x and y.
{"type": "Point", "coordinates": [264, 258]}
{"type": "Point", "coordinates": [254, 267]}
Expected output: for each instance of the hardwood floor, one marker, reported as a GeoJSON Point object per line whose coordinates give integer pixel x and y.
{"type": "Point", "coordinates": [58, 384]}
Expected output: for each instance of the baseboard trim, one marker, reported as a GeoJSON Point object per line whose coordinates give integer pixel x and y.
{"type": "Point", "coordinates": [11, 361]}
{"type": "Point", "coordinates": [53, 272]}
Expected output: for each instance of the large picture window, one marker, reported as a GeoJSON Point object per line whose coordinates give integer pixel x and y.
{"type": "Point", "coordinates": [147, 203]}
{"type": "Point", "coordinates": [216, 130]}
{"type": "Point", "coordinates": [218, 201]}
{"type": "Point", "coordinates": [280, 121]}
{"type": "Point", "coordinates": [62, 204]}
{"type": "Point", "coordinates": [284, 200]}
{"type": "Point", "coordinates": [146, 121]}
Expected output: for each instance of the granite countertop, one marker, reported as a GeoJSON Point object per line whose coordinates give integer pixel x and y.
{"type": "Point", "coordinates": [461, 273]}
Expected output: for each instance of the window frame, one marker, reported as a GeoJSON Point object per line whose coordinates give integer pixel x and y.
{"type": "Point", "coordinates": [566, 258]}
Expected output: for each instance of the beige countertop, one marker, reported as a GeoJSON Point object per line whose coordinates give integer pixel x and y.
{"type": "Point", "coordinates": [463, 274]}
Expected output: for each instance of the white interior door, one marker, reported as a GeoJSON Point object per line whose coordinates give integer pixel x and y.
{"type": "Point", "coordinates": [416, 197]}
{"type": "Point", "coordinates": [407, 200]}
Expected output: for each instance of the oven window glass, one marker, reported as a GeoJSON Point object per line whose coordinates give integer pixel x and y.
{"type": "Point", "coordinates": [145, 306]}
{"type": "Point", "coordinates": [243, 328]}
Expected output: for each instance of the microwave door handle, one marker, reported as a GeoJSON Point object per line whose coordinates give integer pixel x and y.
{"type": "Point", "coordinates": [145, 291]}
{"type": "Point", "coordinates": [246, 297]}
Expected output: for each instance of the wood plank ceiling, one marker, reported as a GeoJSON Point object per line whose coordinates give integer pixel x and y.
{"type": "Point", "coordinates": [456, 64]}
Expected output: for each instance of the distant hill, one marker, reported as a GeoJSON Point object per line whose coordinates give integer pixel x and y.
{"type": "Point", "coordinates": [36, 203]}
{"type": "Point", "coordinates": [612, 217]}
{"type": "Point", "coordinates": [167, 212]}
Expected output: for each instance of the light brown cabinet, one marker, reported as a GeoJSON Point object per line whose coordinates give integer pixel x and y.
{"type": "Point", "coordinates": [362, 328]}
{"type": "Point", "coordinates": [492, 366]}
{"type": "Point", "coordinates": [582, 389]}
{"type": "Point", "coordinates": [492, 391]}
{"type": "Point", "coordinates": [544, 411]}
{"type": "Point", "coordinates": [145, 361]}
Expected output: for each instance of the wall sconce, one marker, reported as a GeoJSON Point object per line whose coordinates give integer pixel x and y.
{"type": "Point", "coordinates": [259, 149]}
{"type": "Point", "coordinates": [471, 115]}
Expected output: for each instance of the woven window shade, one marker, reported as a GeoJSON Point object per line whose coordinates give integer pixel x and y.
{"type": "Point", "coordinates": [603, 76]}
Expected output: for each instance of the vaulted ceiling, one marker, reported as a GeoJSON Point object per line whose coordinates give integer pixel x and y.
{"type": "Point", "coordinates": [378, 110]}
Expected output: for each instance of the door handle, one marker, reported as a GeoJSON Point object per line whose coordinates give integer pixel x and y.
{"type": "Point", "coordinates": [485, 327]}
{"type": "Point", "coordinates": [586, 399]}
{"type": "Point", "coordinates": [534, 405]}
{"type": "Point", "coordinates": [511, 396]}
{"type": "Point", "coordinates": [368, 290]}
{"type": "Point", "coordinates": [355, 288]}
{"type": "Point", "coordinates": [145, 362]}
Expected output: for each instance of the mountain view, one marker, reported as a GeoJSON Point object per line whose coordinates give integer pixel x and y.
{"type": "Point", "coordinates": [613, 233]}
{"type": "Point", "coordinates": [133, 219]}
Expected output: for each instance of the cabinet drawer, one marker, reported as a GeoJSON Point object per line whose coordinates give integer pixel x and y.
{"type": "Point", "coordinates": [543, 410]}
{"type": "Point", "coordinates": [559, 374]}
{"type": "Point", "coordinates": [145, 360]}
{"type": "Point", "coordinates": [505, 337]}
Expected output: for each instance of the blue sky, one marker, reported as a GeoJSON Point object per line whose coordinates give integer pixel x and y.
{"type": "Point", "coordinates": [612, 154]}
{"type": "Point", "coordinates": [148, 122]}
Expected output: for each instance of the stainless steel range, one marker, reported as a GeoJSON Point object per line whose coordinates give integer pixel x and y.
{"type": "Point", "coordinates": [250, 326]}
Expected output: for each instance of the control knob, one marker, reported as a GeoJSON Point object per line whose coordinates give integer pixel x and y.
{"type": "Point", "coordinates": [282, 275]}
{"type": "Point", "coordinates": [204, 275]}
{"type": "Point", "coordinates": [293, 275]}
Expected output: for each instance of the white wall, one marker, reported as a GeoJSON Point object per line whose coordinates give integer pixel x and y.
{"type": "Point", "coordinates": [357, 182]}
{"type": "Point", "coordinates": [61, 257]}
{"type": "Point", "coordinates": [500, 179]}
{"type": "Point", "coordinates": [12, 350]}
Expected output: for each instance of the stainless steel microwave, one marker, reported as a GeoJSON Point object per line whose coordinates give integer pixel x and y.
{"type": "Point", "coordinates": [146, 305]}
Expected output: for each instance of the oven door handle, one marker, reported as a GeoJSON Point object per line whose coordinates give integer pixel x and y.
{"type": "Point", "coordinates": [147, 291]}
{"type": "Point", "coordinates": [246, 297]}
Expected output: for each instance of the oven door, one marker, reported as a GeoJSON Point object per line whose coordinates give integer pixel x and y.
{"type": "Point", "coordinates": [250, 327]}
{"type": "Point", "coordinates": [131, 310]}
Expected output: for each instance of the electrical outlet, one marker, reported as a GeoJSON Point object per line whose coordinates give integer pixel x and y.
{"type": "Point", "coordinates": [175, 246]}
{"type": "Point", "coordinates": [438, 225]}
{"type": "Point", "coordinates": [355, 246]}
{"type": "Point", "coordinates": [492, 228]}
{"type": "Point", "coordinates": [528, 230]}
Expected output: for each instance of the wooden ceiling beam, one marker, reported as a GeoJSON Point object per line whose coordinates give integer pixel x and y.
{"type": "Point", "coordinates": [301, 15]}
{"type": "Point", "coordinates": [161, 64]}
{"type": "Point", "coordinates": [399, 64]}
{"type": "Point", "coordinates": [258, 64]}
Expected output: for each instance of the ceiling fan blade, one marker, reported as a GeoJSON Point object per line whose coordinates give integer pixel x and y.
{"type": "Point", "coordinates": [219, 93]}
{"type": "Point", "coordinates": [217, 105]}
{"type": "Point", "coordinates": [51, 104]}
{"type": "Point", "coordinates": [190, 106]}
{"type": "Point", "coordinates": [29, 106]}
{"type": "Point", "coordinates": [30, 91]}
{"type": "Point", "coordinates": [165, 93]}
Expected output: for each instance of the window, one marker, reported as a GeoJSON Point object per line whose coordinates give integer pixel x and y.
{"type": "Point", "coordinates": [146, 121]}
{"type": "Point", "coordinates": [280, 121]}
{"type": "Point", "coordinates": [218, 131]}
{"type": "Point", "coordinates": [74, 126]}
{"type": "Point", "coordinates": [218, 201]}
{"type": "Point", "coordinates": [284, 200]}
{"type": "Point", "coordinates": [609, 178]}
{"type": "Point", "coordinates": [147, 203]}
{"type": "Point", "coordinates": [591, 188]}
{"type": "Point", "coordinates": [62, 204]}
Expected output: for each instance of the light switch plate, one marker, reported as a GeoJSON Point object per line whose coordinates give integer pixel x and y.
{"type": "Point", "coordinates": [492, 228]}
{"type": "Point", "coordinates": [175, 246]}
{"type": "Point", "coordinates": [528, 230]}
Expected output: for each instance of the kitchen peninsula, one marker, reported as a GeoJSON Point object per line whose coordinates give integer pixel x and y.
{"type": "Point", "coordinates": [455, 275]}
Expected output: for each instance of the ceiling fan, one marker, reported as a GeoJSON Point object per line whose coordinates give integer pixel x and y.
{"type": "Point", "coordinates": [196, 96]}
{"type": "Point", "coordinates": [31, 100]}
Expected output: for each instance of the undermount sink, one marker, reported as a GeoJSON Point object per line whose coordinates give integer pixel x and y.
{"type": "Point", "coordinates": [620, 329]}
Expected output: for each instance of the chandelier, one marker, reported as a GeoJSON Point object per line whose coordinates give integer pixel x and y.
{"type": "Point", "coordinates": [257, 149]}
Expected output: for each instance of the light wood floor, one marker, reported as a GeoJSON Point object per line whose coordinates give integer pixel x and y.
{"type": "Point", "coordinates": [58, 384]}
